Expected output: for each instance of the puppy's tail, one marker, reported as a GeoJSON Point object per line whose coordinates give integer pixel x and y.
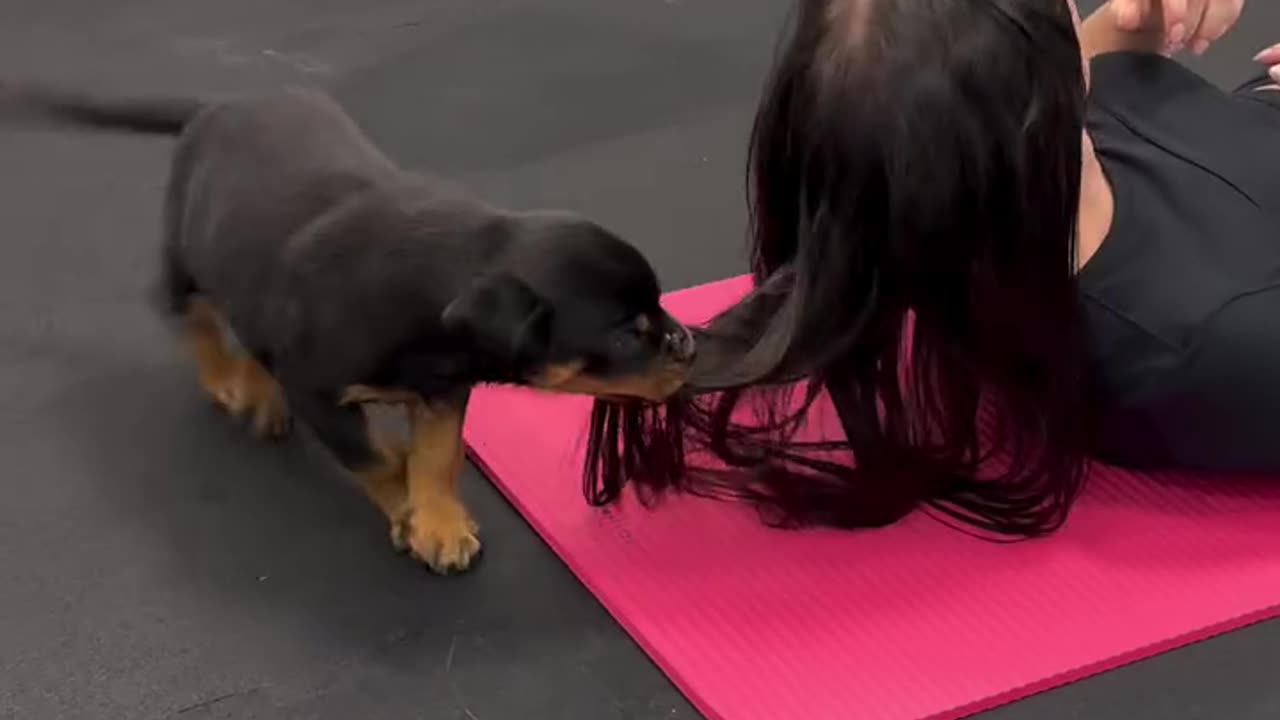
{"type": "Point", "coordinates": [29, 105]}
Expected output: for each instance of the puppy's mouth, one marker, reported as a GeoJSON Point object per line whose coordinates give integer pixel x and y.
{"type": "Point", "coordinates": [653, 387]}
{"type": "Point", "coordinates": [625, 399]}
{"type": "Point", "coordinates": [668, 382]}
{"type": "Point", "coordinates": [666, 373]}
{"type": "Point", "coordinates": [651, 390]}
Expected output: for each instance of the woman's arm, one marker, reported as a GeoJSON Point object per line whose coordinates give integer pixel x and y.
{"type": "Point", "coordinates": [1103, 32]}
{"type": "Point", "coordinates": [1158, 26]}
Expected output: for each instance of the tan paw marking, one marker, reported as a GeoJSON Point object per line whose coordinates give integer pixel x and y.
{"type": "Point", "coordinates": [245, 390]}
{"type": "Point", "coordinates": [441, 535]}
{"type": "Point", "coordinates": [263, 402]}
{"type": "Point", "coordinates": [223, 389]}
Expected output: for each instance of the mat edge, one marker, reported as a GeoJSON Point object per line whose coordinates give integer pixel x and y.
{"type": "Point", "coordinates": [477, 449]}
{"type": "Point", "coordinates": [1106, 665]}
{"type": "Point", "coordinates": [664, 664]}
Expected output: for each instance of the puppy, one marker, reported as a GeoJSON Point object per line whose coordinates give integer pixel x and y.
{"type": "Point", "coordinates": [310, 276]}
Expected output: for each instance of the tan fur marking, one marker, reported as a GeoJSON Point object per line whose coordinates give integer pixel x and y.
{"type": "Point", "coordinates": [436, 526]}
{"type": "Point", "coordinates": [655, 386]}
{"type": "Point", "coordinates": [235, 382]}
{"type": "Point", "coordinates": [262, 400]}
{"type": "Point", "coordinates": [385, 483]}
{"type": "Point", "coordinates": [553, 376]}
{"type": "Point", "coordinates": [215, 365]}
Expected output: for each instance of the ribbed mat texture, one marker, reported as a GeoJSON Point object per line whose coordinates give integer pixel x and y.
{"type": "Point", "coordinates": [911, 622]}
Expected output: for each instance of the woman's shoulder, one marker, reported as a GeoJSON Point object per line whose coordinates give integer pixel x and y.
{"type": "Point", "coordinates": [1146, 97]}
{"type": "Point", "coordinates": [1162, 99]}
{"type": "Point", "coordinates": [1148, 109]}
{"type": "Point", "coordinates": [1129, 75]}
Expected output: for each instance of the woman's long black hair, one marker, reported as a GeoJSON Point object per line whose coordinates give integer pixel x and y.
{"type": "Point", "coordinates": [914, 186]}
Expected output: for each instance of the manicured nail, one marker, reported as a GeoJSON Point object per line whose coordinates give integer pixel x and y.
{"type": "Point", "coordinates": [1275, 74]}
{"type": "Point", "coordinates": [1199, 46]}
{"type": "Point", "coordinates": [1264, 52]}
{"type": "Point", "coordinates": [1177, 35]}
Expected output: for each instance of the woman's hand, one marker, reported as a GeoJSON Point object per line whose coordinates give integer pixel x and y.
{"type": "Point", "coordinates": [1186, 23]}
{"type": "Point", "coordinates": [1270, 58]}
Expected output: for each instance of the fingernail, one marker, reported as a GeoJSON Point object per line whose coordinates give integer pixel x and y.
{"type": "Point", "coordinates": [1177, 35]}
{"type": "Point", "coordinates": [1266, 51]}
{"type": "Point", "coordinates": [1199, 46]}
{"type": "Point", "coordinates": [1275, 74]}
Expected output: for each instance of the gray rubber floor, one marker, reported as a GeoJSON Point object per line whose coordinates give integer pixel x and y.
{"type": "Point", "coordinates": [156, 563]}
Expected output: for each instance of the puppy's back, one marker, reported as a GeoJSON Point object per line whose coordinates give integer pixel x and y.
{"type": "Point", "coordinates": [255, 170]}
{"type": "Point", "coordinates": [294, 138]}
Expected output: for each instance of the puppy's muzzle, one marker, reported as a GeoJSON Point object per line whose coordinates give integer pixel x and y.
{"type": "Point", "coordinates": [679, 344]}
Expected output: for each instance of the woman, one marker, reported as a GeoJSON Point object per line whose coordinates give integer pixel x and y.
{"type": "Point", "coordinates": [990, 277]}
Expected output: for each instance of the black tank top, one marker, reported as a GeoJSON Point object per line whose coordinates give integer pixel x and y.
{"type": "Point", "coordinates": [1182, 300]}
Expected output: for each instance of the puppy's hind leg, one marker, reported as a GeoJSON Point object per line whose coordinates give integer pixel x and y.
{"type": "Point", "coordinates": [234, 381]}
{"type": "Point", "coordinates": [261, 400]}
{"type": "Point", "coordinates": [217, 367]}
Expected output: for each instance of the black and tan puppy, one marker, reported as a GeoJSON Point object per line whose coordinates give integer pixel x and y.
{"type": "Point", "coordinates": [311, 275]}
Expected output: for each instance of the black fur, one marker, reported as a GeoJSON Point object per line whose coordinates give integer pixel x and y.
{"type": "Point", "coordinates": [333, 267]}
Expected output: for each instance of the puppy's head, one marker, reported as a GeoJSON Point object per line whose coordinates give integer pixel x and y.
{"type": "Point", "coordinates": [572, 308]}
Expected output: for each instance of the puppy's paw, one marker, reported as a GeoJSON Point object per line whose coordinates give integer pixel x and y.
{"type": "Point", "coordinates": [262, 400]}
{"type": "Point", "coordinates": [271, 419]}
{"type": "Point", "coordinates": [441, 535]}
{"type": "Point", "coordinates": [245, 390]}
{"type": "Point", "coordinates": [224, 390]}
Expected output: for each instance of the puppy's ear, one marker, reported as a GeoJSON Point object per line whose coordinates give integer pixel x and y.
{"type": "Point", "coordinates": [503, 318]}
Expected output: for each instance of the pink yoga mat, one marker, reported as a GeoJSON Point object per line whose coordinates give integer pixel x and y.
{"type": "Point", "coordinates": [914, 621]}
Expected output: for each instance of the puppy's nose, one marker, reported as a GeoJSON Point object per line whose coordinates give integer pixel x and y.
{"type": "Point", "coordinates": [680, 344]}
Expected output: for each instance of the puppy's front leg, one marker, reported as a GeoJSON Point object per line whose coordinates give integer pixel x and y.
{"type": "Point", "coordinates": [436, 526]}
{"type": "Point", "coordinates": [378, 465]}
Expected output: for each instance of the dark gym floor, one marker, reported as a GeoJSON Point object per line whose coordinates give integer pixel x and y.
{"type": "Point", "coordinates": [157, 563]}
